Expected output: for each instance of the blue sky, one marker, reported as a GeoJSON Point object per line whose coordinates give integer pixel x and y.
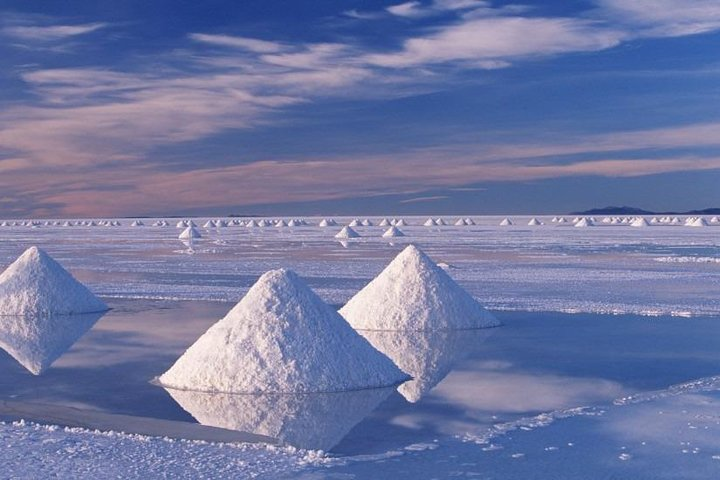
{"type": "Point", "coordinates": [290, 107]}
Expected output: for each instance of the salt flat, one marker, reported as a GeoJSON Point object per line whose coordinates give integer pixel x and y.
{"type": "Point", "coordinates": [605, 367]}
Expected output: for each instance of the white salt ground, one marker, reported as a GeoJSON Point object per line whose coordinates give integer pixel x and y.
{"type": "Point", "coordinates": [281, 337]}
{"type": "Point", "coordinates": [413, 293]}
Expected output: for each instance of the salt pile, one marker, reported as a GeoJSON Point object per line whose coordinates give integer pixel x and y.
{"type": "Point", "coordinates": [427, 356]}
{"type": "Point", "coordinates": [584, 222]}
{"type": "Point", "coordinates": [698, 222]}
{"type": "Point", "coordinates": [400, 223]}
{"type": "Point", "coordinates": [347, 232]}
{"type": "Point", "coordinates": [384, 223]}
{"type": "Point", "coordinates": [535, 222]}
{"type": "Point", "coordinates": [36, 285]}
{"type": "Point", "coordinates": [136, 223]}
{"type": "Point", "coordinates": [639, 222]}
{"type": "Point", "coordinates": [430, 223]}
{"type": "Point", "coordinates": [413, 293]}
{"type": "Point", "coordinates": [189, 233]}
{"type": "Point", "coordinates": [393, 232]}
{"type": "Point", "coordinates": [316, 421]}
{"type": "Point", "coordinates": [281, 337]}
{"type": "Point", "coordinates": [506, 222]}
{"type": "Point", "coordinates": [209, 224]}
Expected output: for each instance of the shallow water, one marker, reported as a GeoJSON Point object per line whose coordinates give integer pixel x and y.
{"type": "Point", "coordinates": [465, 382]}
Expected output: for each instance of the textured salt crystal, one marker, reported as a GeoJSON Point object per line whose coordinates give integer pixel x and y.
{"type": "Point", "coordinates": [316, 421]}
{"type": "Point", "coordinates": [37, 285]}
{"type": "Point", "coordinates": [427, 356]}
{"type": "Point", "coordinates": [189, 233]}
{"type": "Point", "coordinates": [393, 232]}
{"type": "Point", "coordinates": [347, 232]}
{"type": "Point", "coordinates": [413, 293]}
{"type": "Point", "coordinates": [281, 337]}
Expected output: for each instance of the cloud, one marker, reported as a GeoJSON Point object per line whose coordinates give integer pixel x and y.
{"type": "Point", "coordinates": [48, 33]}
{"type": "Point", "coordinates": [251, 44]}
{"type": "Point", "coordinates": [663, 18]}
{"type": "Point", "coordinates": [501, 39]}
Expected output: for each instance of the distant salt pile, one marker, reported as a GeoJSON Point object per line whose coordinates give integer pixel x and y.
{"type": "Point", "coordinates": [714, 220]}
{"type": "Point", "coordinates": [413, 293]}
{"type": "Point", "coordinates": [469, 221]}
{"type": "Point", "coordinates": [698, 222]}
{"type": "Point", "coordinates": [209, 224]}
{"type": "Point", "coordinates": [400, 223]}
{"type": "Point", "coordinates": [281, 337]}
{"type": "Point", "coordinates": [355, 223]}
{"type": "Point", "coordinates": [440, 222]}
{"type": "Point", "coordinates": [460, 222]}
{"type": "Point", "coordinates": [535, 222]}
{"type": "Point", "coordinates": [36, 285]}
{"type": "Point", "coordinates": [190, 233]}
{"type": "Point", "coordinates": [506, 222]}
{"type": "Point", "coordinates": [384, 223]}
{"type": "Point", "coordinates": [135, 223]}
{"type": "Point", "coordinates": [281, 224]}
{"type": "Point", "coordinates": [347, 232]}
{"type": "Point", "coordinates": [393, 232]}
{"type": "Point", "coordinates": [327, 222]}
{"type": "Point", "coordinates": [252, 224]}
{"type": "Point", "coordinates": [181, 224]}
{"type": "Point", "coordinates": [430, 223]}
{"type": "Point", "coordinates": [639, 222]}
{"type": "Point", "coordinates": [584, 222]}
{"type": "Point", "coordinates": [562, 220]}
{"type": "Point", "coordinates": [367, 223]}
{"type": "Point", "coordinates": [294, 223]}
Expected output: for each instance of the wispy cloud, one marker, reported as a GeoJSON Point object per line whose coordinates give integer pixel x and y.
{"type": "Point", "coordinates": [47, 33]}
{"type": "Point", "coordinates": [250, 44]}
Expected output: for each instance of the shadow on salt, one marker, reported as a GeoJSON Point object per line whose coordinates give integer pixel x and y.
{"type": "Point", "coordinates": [313, 421]}
{"type": "Point", "coordinates": [36, 342]}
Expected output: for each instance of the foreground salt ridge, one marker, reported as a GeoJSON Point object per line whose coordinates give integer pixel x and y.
{"type": "Point", "coordinates": [36, 285]}
{"type": "Point", "coordinates": [413, 293]}
{"type": "Point", "coordinates": [281, 338]}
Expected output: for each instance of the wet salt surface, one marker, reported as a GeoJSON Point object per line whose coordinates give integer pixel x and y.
{"type": "Point", "coordinates": [536, 363]}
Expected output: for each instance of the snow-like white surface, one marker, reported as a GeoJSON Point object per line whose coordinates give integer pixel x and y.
{"type": "Point", "coordinates": [281, 337]}
{"type": "Point", "coordinates": [36, 285]}
{"type": "Point", "coordinates": [413, 293]}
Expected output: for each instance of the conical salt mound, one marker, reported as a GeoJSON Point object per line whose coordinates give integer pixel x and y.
{"type": "Point", "coordinates": [393, 232]}
{"type": "Point", "coordinates": [36, 285]}
{"type": "Point", "coordinates": [413, 293]}
{"type": "Point", "coordinates": [347, 232]}
{"type": "Point", "coordinates": [189, 233]}
{"type": "Point", "coordinates": [281, 337]}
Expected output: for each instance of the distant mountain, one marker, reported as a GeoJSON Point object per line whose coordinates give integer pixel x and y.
{"type": "Point", "coordinates": [640, 211]}
{"type": "Point", "coordinates": [614, 211]}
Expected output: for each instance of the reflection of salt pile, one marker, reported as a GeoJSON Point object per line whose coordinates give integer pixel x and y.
{"type": "Point", "coordinates": [36, 342]}
{"type": "Point", "coordinates": [281, 337]}
{"type": "Point", "coordinates": [427, 356]}
{"type": "Point", "coordinates": [316, 421]}
{"type": "Point", "coordinates": [43, 310]}
{"type": "Point", "coordinates": [413, 293]}
{"type": "Point", "coordinates": [35, 284]}
{"type": "Point", "coordinates": [189, 233]}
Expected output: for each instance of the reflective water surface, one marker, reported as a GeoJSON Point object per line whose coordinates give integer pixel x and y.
{"type": "Point", "coordinates": [465, 382]}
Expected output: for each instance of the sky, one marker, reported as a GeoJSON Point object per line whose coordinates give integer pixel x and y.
{"type": "Point", "coordinates": [174, 107]}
